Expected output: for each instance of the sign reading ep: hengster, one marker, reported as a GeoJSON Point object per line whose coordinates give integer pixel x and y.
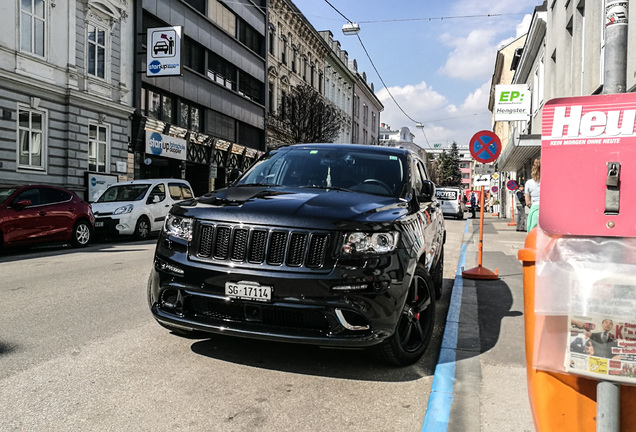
{"type": "Point", "coordinates": [163, 45]}
{"type": "Point", "coordinates": [512, 102]}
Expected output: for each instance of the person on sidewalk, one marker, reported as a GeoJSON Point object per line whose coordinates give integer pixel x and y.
{"type": "Point", "coordinates": [520, 201]}
{"type": "Point", "coordinates": [532, 195]}
{"type": "Point", "coordinates": [473, 204]}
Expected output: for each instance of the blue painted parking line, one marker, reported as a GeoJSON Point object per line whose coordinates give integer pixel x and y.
{"type": "Point", "coordinates": [441, 398]}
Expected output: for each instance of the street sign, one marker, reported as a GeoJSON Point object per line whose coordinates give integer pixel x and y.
{"type": "Point", "coordinates": [484, 169]}
{"type": "Point", "coordinates": [163, 57]}
{"type": "Point", "coordinates": [483, 180]}
{"type": "Point", "coordinates": [494, 189]}
{"type": "Point", "coordinates": [485, 146]}
{"type": "Point", "coordinates": [512, 185]}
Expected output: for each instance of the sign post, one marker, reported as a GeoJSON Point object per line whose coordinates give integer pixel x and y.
{"type": "Point", "coordinates": [485, 147]}
{"type": "Point", "coordinates": [512, 186]}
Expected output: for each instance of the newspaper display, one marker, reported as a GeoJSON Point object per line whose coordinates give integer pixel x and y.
{"type": "Point", "coordinates": [602, 341]}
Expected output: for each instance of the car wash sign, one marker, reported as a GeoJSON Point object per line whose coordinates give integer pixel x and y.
{"type": "Point", "coordinates": [166, 146]}
{"type": "Point", "coordinates": [163, 46]}
{"type": "Point", "coordinates": [512, 102]}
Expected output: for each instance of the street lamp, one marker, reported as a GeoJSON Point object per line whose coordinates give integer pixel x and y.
{"type": "Point", "coordinates": [351, 28]}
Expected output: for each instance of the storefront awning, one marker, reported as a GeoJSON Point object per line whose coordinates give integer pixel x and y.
{"type": "Point", "coordinates": [520, 151]}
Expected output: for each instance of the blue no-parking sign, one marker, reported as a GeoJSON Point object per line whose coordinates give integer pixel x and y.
{"type": "Point", "coordinates": [485, 146]}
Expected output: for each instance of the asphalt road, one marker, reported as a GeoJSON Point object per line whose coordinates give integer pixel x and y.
{"type": "Point", "coordinates": [79, 350]}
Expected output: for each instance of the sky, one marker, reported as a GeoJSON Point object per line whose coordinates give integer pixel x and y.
{"type": "Point", "coordinates": [435, 58]}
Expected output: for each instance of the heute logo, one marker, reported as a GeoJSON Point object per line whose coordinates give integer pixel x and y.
{"type": "Point", "coordinates": [592, 124]}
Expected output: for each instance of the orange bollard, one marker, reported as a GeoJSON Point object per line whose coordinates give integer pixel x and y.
{"type": "Point", "coordinates": [559, 401]}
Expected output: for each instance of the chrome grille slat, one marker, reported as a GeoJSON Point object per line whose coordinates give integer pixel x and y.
{"type": "Point", "coordinates": [258, 245]}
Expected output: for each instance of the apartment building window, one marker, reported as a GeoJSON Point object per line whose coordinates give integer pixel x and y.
{"type": "Point", "coordinates": [197, 4]}
{"type": "Point", "coordinates": [270, 97]}
{"type": "Point", "coordinates": [31, 138]}
{"type": "Point", "coordinates": [356, 105]}
{"type": "Point", "coordinates": [158, 106]}
{"type": "Point", "coordinates": [365, 114]}
{"type": "Point", "coordinates": [33, 26]}
{"type": "Point", "coordinates": [250, 87]}
{"type": "Point", "coordinates": [221, 16]}
{"type": "Point", "coordinates": [221, 71]}
{"type": "Point", "coordinates": [190, 117]}
{"type": "Point", "coordinates": [250, 37]}
{"type": "Point", "coordinates": [374, 121]}
{"type": "Point", "coordinates": [98, 138]}
{"type": "Point", "coordinates": [193, 55]}
{"type": "Point", "coordinates": [96, 49]}
{"type": "Point", "coordinates": [222, 126]}
{"type": "Point", "coordinates": [305, 68]}
{"type": "Point", "coordinates": [294, 58]}
{"type": "Point", "coordinates": [283, 51]}
{"type": "Point", "coordinates": [272, 39]}
{"type": "Point", "coordinates": [313, 73]}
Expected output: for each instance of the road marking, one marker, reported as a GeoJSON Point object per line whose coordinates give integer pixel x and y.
{"type": "Point", "coordinates": [441, 397]}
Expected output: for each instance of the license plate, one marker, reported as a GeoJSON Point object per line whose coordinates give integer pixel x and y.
{"type": "Point", "coordinates": [99, 224]}
{"type": "Point", "coordinates": [248, 291]}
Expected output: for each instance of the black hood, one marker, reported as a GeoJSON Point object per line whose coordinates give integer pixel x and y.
{"type": "Point", "coordinates": [300, 207]}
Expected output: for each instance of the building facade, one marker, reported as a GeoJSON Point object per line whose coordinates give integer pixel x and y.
{"type": "Point", "coordinates": [365, 116]}
{"type": "Point", "coordinates": [215, 110]}
{"type": "Point", "coordinates": [66, 80]}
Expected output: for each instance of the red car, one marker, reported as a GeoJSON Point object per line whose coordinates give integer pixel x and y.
{"type": "Point", "coordinates": [43, 214]}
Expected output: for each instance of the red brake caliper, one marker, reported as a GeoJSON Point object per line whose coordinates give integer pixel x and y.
{"type": "Point", "coordinates": [417, 315]}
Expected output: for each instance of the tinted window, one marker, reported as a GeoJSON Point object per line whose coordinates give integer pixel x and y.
{"type": "Point", "coordinates": [52, 196]}
{"type": "Point", "coordinates": [5, 194]}
{"type": "Point", "coordinates": [179, 191]}
{"type": "Point", "coordinates": [32, 195]}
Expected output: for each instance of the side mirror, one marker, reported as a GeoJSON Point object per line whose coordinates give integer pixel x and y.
{"type": "Point", "coordinates": [22, 204]}
{"type": "Point", "coordinates": [233, 175]}
{"type": "Point", "coordinates": [428, 191]}
{"type": "Point", "coordinates": [156, 199]}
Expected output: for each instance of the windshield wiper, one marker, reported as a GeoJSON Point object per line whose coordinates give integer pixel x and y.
{"type": "Point", "coordinates": [257, 184]}
{"type": "Point", "coordinates": [328, 187]}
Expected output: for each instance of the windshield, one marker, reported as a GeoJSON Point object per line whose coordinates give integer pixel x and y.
{"type": "Point", "coordinates": [360, 171]}
{"type": "Point", "coordinates": [128, 192]}
{"type": "Point", "coordinates": [6, 193]}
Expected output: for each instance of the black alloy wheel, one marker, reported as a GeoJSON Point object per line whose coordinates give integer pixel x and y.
{"type": "Point", "coordinates": [415, 326]}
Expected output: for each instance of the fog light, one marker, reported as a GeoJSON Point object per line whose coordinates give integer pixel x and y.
{"type": "Point", "coordinates": [350, 287]}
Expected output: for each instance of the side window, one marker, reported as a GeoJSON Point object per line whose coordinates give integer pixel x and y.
{"type": "Point", "coordinates": [418, 179]}
{"type": "Point", "coordinates": [157, 191]}
{"type": "Point", "coordinates": [32, 195]}
{"type": "Point", "coordinates": [175, 191]}
{"type": "Point", "coordinates": [186, 192]}
{"type": "Point", "coordinates": [53, 196]}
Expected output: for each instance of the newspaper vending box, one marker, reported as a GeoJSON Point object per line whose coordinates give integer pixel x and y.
{"type": "Point", "coordinates": [581, 293]}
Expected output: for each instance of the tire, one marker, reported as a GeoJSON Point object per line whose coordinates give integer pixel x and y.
{"type": "Point", "coordinates": [438, 275]}
{"type": "Point", "coordinates": [460, 215]}
{"type": "Point", "coordinates": [415, 325]}
{"type": "Point", "coordinates": [82, 234]}
{"type": "Point", "coordinates": [142, 229]}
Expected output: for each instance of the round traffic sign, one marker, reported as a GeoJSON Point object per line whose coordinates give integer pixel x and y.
{"type": "Point", "coordinates": [512, 185]}
{"type": "Point", "coordinates": [494, 189]}
{"type": "Point", "coordinates": [485, 146]}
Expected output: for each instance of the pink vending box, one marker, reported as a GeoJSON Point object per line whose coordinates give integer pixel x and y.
{"type": "Point", "coordinates": [588, 166]}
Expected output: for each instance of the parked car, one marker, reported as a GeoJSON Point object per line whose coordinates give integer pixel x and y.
{"type": "Point", "coordinates": [326, 244]}
{"type": "Point", "coordinates": [42, 214]}
{"type": "Point", "coordinates": [138, 207]}
{"type": "Point", "coordinates": [451, 199]}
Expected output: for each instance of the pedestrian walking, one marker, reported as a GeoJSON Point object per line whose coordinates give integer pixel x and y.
{"type": "Point", "coordinates": [520, 201]}
{"type": "Point", "coordinates": [532, 195]}
{"type": "Point", "coordinates": [473, 204]}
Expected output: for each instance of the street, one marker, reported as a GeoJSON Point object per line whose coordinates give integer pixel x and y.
{"type": "Point", "coordinates": [79, 350]}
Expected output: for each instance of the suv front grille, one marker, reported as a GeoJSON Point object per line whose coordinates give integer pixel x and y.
{"type": "Point", "coordinates": [256, 245]}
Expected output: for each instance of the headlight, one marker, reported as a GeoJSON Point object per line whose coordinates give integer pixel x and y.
{"type": "Point", "coordinates": [125, 209]}
{"type": "Point", "coordinates": [360, 242]}
{"type": "Point", "coordinates": [179, 227]}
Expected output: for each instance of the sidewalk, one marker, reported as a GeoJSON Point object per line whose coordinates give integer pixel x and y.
{"type": "Point", "coordinates": [490, 389]}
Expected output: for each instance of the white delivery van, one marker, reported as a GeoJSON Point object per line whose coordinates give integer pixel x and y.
{"type": "Point", "coordinates": [451, 200]}
{"type": "Point", "coordinates": [138, 207]}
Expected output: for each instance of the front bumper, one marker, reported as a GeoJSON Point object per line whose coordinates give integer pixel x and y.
{"type": "Point", "coordinates": [304, 308]}
{"type": "Point", "coordinates": [114, 225]}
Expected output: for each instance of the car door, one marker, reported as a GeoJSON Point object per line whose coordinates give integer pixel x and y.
{"type": "Point", "coordinates": [59, 212]}
{"type": "Point", "coordinates": [158, 206]}
{"type": "Point", "coordinates": [24, 224]}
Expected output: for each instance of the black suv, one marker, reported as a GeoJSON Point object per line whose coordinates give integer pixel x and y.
{"type": "Point", "coordinates": [326, 244]}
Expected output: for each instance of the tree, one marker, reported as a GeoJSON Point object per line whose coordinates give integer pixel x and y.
{"type": "Point", "coordinates": [304, 116]}
{"type": "Point", "coordinates": [449, 172]}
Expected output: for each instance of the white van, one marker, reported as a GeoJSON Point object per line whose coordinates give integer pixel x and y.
{"type": "Point", "coordinates": [138, 207]}
{"type": "Point", "coordinates": [451, 200]}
